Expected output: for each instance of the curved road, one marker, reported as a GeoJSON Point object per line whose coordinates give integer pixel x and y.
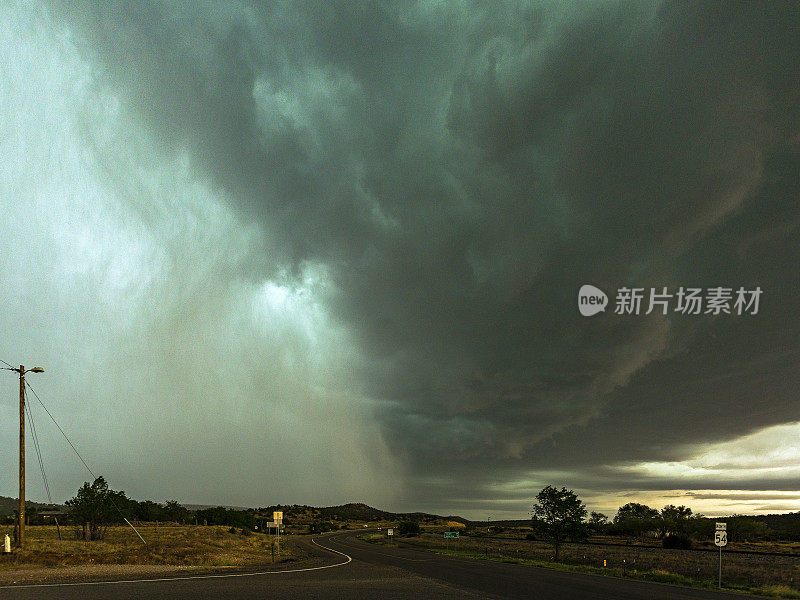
{"type": "Point", "coordinates": [358, 570]}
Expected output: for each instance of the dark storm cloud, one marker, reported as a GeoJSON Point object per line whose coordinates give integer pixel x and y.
{"type": "Point", "coordinates": [462, 171]}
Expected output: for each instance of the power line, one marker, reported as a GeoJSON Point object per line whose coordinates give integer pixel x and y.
{"type": "Point", "coordinates": [5, 363]}
{"type": "Point", "coordinates": [52, 418]}
{"type": "Point", "coordinates": [39, 454]}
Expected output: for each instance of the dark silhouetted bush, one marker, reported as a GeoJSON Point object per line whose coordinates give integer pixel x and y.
{"type": "Point", "coordinates": [675, 541]}
{"type": "Point", "coordinates": [322, 527]}
{"type": "Point", "coordinates": [408, 529]}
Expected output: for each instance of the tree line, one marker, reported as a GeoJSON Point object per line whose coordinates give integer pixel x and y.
{"type": "Point", "coordinates": [96, 506]}
{"type": "Point", "coordinates": [559, 516]}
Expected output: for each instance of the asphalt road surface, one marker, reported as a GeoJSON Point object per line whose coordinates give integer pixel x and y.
{"type": "Point", "coordinates": [361, 571]}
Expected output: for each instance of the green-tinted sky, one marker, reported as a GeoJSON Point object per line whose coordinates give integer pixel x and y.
{"type": "Point", "coordinates": [329, 252]}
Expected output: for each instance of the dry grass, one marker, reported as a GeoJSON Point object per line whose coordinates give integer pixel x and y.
{"type": "Point", "coordinates": [178, 545]}
{"type": "Point", "coordinates": [781, 574]}
{"type": "Point", "coordinates": [761, 546]}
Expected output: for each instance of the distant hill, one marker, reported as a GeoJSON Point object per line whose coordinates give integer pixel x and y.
{"type": "Point", "coordinates": [363, 512]}
{"type": "Point", "coordinates": [9, 506]}
{"type": "Point", "coordinates": [354, 511]}
{"type": "Point", "coordinates": [205, 506]}
{"type": "Point", "coordinates": [505, 523]}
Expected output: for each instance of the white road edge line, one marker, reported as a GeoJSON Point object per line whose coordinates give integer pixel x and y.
{"type": "Point", "coordinates": [185, 578]}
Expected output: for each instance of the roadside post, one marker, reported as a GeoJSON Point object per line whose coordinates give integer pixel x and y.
{"type": "Point", "coordinates": [721, 539]}
{"type": "Point", "coordinates": [488, 533]}
{"type": "Point", "coordinates": [277, 516]}
{"type": "Point", "coordinates": [389, 534]}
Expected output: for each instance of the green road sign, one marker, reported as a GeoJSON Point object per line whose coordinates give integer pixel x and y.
{"type": "Point", "coordinates": [451, 534]}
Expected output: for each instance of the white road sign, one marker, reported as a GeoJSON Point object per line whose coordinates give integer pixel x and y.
{"type": "Point", "coordinates": [390, 532]}
{"type": "Point", "coordinates": [721, 538]}
{"type": "Point", "coordinates": [722, 526]}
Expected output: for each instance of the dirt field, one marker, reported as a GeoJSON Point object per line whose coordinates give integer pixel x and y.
{"type": "Point", "coordinates": [752, 570]}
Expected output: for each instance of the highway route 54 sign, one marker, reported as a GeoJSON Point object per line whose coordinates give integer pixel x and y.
{"type": "Point", "coordinates": [721, 535]}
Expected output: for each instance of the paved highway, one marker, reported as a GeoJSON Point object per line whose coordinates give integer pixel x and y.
{"type": "Point", "coordinates": [354, 569]}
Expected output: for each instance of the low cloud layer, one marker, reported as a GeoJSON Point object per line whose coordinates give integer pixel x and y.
{"type": "Point", "coordinates": [342, 243]}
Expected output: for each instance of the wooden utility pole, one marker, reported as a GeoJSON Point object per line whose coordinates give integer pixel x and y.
{"type": "Point", "coordinates": [21, 512]}
{"type": "Point", "coordinates": [21, 516]}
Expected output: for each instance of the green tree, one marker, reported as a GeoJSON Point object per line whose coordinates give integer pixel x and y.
{"type": "Point", "coordinates": [636, 519]}
{"type": "Point", "coordinates": [674, 519]}
{"type": "Point", "coordinates": [173, 511]}
{"type": "Point", "coordinates": [95, 506]}
{"type": "Point", "coordinates": [558, 515]}
{"type": "Point", "coordinates": [147, 510]}
{"type": "Point", "coordinates": [597, 521]}
{"type": "Point", "coordinates": [748, 529]}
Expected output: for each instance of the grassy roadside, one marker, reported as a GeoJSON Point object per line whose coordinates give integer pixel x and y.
{"type": "Point", "coordinates": [179, 546]}
{"type": "Point", "coordinates": [654, 575]}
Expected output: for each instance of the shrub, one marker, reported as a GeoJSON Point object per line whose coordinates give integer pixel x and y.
{"type": "Point", "coordinates": [408, 528]}
{"type": "Point", "coordinates": [322, 527]}
{"type": "Point", "coordinates": [676, 541]}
